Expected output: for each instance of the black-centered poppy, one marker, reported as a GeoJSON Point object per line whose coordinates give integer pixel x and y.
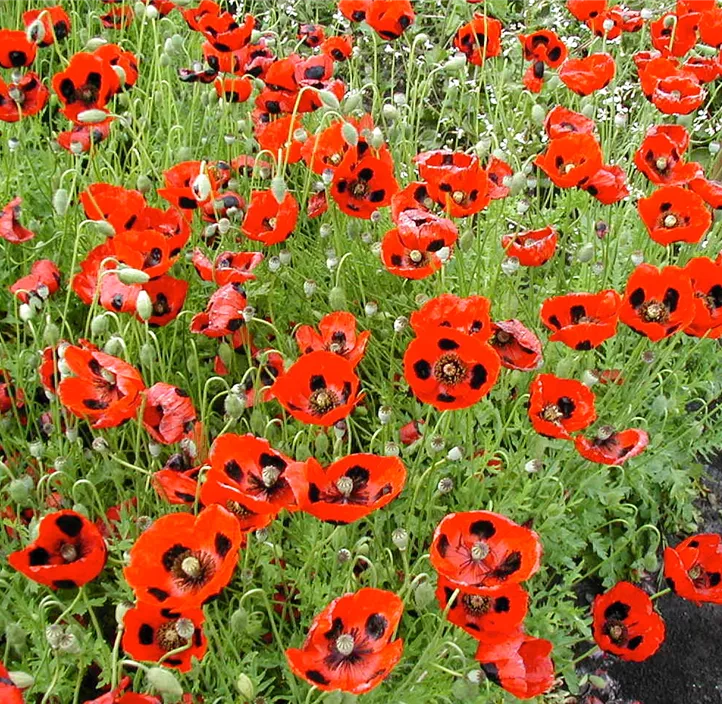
{"type": "Point", "coordinates": [10, 228]}
{"type": "Point", "coordinates": [674, 35]}
{"type": "Point", "coordinates": [544, 45]}
{"type": "Point", "coordinates": [349, 489]}
{"type": "Point", "coordinates": [68, 552]}
{"type": "Point", "coordinates": [337, 333]}
{"type": "Point", "coordinates": [167, 296]}
{"type": "Point", "coordinates": [82, 138]}
{"type": "Point", "coordinates": [517, 346]}
{"type": "Point", "coordinates": [570, 159]}
{"type": "Point", "coordinates": [561, 121]}
{"type": "Point", "coordinates": [41, 283]}
{"type": "Point", "coordinates": [479, 39]}
{"type": "Point", "coordinates": [611, 447]}
{"type": "Point", "coordinates": [23, 98]}
{"type": "Point", "coordinates": [468, 315]}
{"type": "Point", "coordinates": [558, 407]}
{"type": "Point", "coordinates": [608, 185]}
{"type": "Point", "coordinates": [121, 207]}
{"type": "Point", "coordinates": [484, 549]}
{"type": "Point", "coordinates": [176, 483]}
{"type": "Point", "coordinates": [223, 314]}
{"type": "Point", "coordinates": [582, 320]}
{"type": "Point", "coordinates": [269, 221]}
{"type": "Point", "coordinates": [693, 569]}
{"type": "Point", "coordinates": [390, 18]}
{"type": "Point", "coordinates": [706, 278]}
{"type": "Point", "coordinates": [338, 48]}
{"type": "Point", "coordinates": [47, 25]}
{"type": "Point", "coordinates": [675, 214]}
{"type": "Point", "coordinates": [349, 645]}
{"type": "Point", "coordinates": [168, 414]}
{"type": "Point", "coordinates": [17, 51]}
{"type": "Point", "coordinates": [228, 267]}
{"type": "Point", "coordinates": [533, 247]}
{"type": "Point", "coordinates": [659, 157]}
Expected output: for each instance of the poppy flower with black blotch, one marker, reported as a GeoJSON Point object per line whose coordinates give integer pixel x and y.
{"type": "Point", "coordinates": [269, 221]}
{"type": "Point", "coordinates": [168, 414]}
{"type": "Point", "coordinates": [53, 24]}
{"type": "Point", "coordinates": [17, 50]}
{"type": "Point", "coordinates": [468, 315]}
{"type": "Point", "coordinates": [585, 10]}
{"type": "Point", "coordinates": [112, 294]}
{"type": "Point", "coordinates": [190, 184]}
{"type": "Point", "coordinates": [710, 191]}
{"type": "Point", "coordinates": [87, 83]}
{"type": "Point", "coordinates": [497, 170]}
{"type": "Point", "coordinates": [223, 314]}
{"type": "Point", "coordinates": [479, 39]}
{"type": "Point", "coordinates": [533, 78]}
{"type": "Point", "coordinates": [659, 157]}
{"type": "Point", "coordinates": [484, 549]}
{"type": "Point", "coordinates": [312, 35]}
{"type": "Point", "coordinates": [164, 7]}
{"type": "Point", "coordinates": [222, 492]}
{"type": "Point", "coordinates": [674, 35]}
{"type": "Point", "coordinates": [268, 365]}
{"type": "Point", "coordinates": [10, 227]}
{"type": "Point", "coordinates": [167, 296]}
{"type": "Point", "coordinates": [544, 45]}
{"type": "Point", "coordinates": [415, 196]}
{"type": "Point", "coordinates": [612, 448]}
{"type": "Point", "coordinates": [117, 696]}
{"type": "Point", "coordinates": [349, 646]}
{"type": "Point", "coordinates": [234, 90]}
{"type": "Point", "coordinates": [520, 664]}
{"type": "Point", "coordinates": [226, 204]}
{"type": "Point", "coordinates": [419, 244]}
{"type": "Point", "coordinates": [589, 74]}
{"type": "Point", "coordinates": [48, 369]}
{"type": "Point", "coordinates": [657, 303]}
{"type": "Point", "coordinates": [531, 248]}
{"type": "Point", "coordinates": [42, 281]}
{"type": "Point", "coordinates": [120, 17]}
{"type": "Point", "coordinates": [338, 48]}
{"type": "Point", "coordinates": [228, 268]}
{"type": "Point", "coordinates": [68, 552]}
{"type": "Point", "coordinates": [177, 482]}
{"type": "Point", "coordinates": [390, 18]}
{"type": "Point", "coordinates": [170, 223]}
{"type": "Point", "coordinates": [561, 121]}
{"type": "Point", "coordinates": [121, 207]}
{"type": "Point", "coordinates": [224, 32]}
{"type": "Point", "coordinates": [23, 98]}
{"type": "Point", "coordinates": [182, 561]}
{"type": "Point", "coordinates": [559, 407]}
{"type": "Point", "coordinates": [608, 24]}
{"type": "Point", "coordinates": [348, 489]}
{"type": "Point", "coordinates": [363, 183]}
{"type": "Point", "coordinates": [608, 185]}
{"type": "Point", "coordinates": [652, 67]}
{"type": "Point", "coordinates": [323, 152]}
{"type": "Point", "coordinates": [582, 321]}
{"type": "Point", "coordinates": [337, 334]}
{"type": "Point", "coordinates": [124, 63]}
{"type": "Point", "coordinates": [354, 10]}
{"type": "Point", "coordinates": [320, 388]}
{"type": "Point", "coordinates": [193, 15]}
{"type": "Point", "coordinates": [450, 369]}
{"type": "Point", "coordinates": [706, 278]}
{"type": "Point", "coordinates": [150, 632]}
{"type": "Point", "coordinates": [279, 135]}
{"type": "Point", "coordinates": [317, 204]}
{"type": "Point", "coordinates": [678, 95]}
{"type": "Point", "coordinates": [9, 396]}
{"type": "Point", "coordinates": [411, 432]}
{"type": "Point", "coordinates": [478, 611]}
{"type": "Point", "coordinates": [204, 75]}
{"type": "Point", "coordinates": [571, 158]}
{"type": "Point", "coordinates": [693, 569]}
{"type": "Point", "coordinates": [82, 138]}
{"type": "Point", "coordinates": [9, 693]}
{"type": "Point", "coordinates": [674, 214]}
{"type": "Point", "coordinates": [517, 346]}
{"type": "Point", "coordinates": [626, 624]}
{"type": "Point", "coordinates": [146, 250]}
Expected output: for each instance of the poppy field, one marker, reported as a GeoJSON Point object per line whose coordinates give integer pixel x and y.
{"type": "Point", "coordinates": [354, 349]}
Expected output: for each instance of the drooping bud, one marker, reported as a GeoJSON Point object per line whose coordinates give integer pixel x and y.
{"type": "Point", "coordinates": [279, 189]}
{"type": "Point", "coordinates": [144, 306]}
{"type": "Point", "coordinates": [329, 99]}
{"type": "Point", "coordinates": [349, 134]}
{"type": "Point", "coordinates": [165, 683]}
{"type": "Point", "coordinates": [92, 117]}
{"type": "Point", "coordinates": [61, 199]}
{"type": "Point", "coordinates": [128, 275]}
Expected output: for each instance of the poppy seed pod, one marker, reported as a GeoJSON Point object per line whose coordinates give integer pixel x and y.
{"type": "Point", "coordinates": [455, 63]}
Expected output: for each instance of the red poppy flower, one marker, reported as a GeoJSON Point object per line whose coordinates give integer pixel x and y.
{"type": "Point", "coordinates": [705, 69]}
{"type": "Point", "coordinates": [626, 624]}
{"type": "Point", "coordinates": [223, 314]}
{"type": "Point", "coordinates": [10, 227]}
{"type": "Point", "coordinates": [234, 90]}
{"type": "Point", "coordinates": [168, 414]}
{"type": "Point", "coordinates": [320, 388]}
{"type": "Point", "coordinates": [558, 407]}
{"type": "Point", "coordinates": [338, 48]}
{"type": "Point", "coordinates": [498, 170]}
{"type": "Point", "coordinates": [467, 315]}
{"type": "Point", "coordinates": [190, 184]}
{"type": "Point", "coordinates": [600, 24]}
{"type": "Point", "coordinates": [354, 10]}
{"type": "Point", "coordinates": [23, 98]}
{"type": "Point", "coordinates": [9, 693]}
{"type": "Point", "coordinates": [349, 646]}
{"type": "Point", "coordinates": [323, 152]}
{"type": "Point", "coordinates": [521, 664]}
{"type": "Point", "coordinates": [479, 39]}
{"type": "Point", "coordinates": [82, 138]}
{"type": "Point", "coordinates": [103, 389]}
{"type": "Point", "coordinates": [121, 207]}
{"type": "Point", "coordinates": [533, 78]}
{"type": "Point", "coordinates": [120, 17]}
{"type": "Point", "coordinates": [587, 75]}
{"type": "Point", "coordinates": [479, 611]}
{"type": "Point", "coordinates": [570, 159]}
{"type": "Point", "coordinates": [674, 35]}
{"type": "Point", "coordinates": [224, 32]}
{"type": "Point", "coordinates": [176, 483]}
{"type": "Point", "coordinates": [449, 369]}
{"type": "Point", "coordinates": [678, 95]}
{"type": "Point", "coordinates": [531, 248]}
{"type": "Point", "coordinates": [419, 244]}
{"type": "Point", "coordinates": [560, 121]}
{"type": "Point", "coordinates": [710, 28]}
{"type": "Point", "coordinates": [182, 560]}
{"type": "Point", "coordinates": [710, 191]}
{"type": "Point", "coordinates": [613, 448]}
{"type": "Point", "coordinates": [706, 278]}
{"type": "Point", "coordinates": [484, 549]}
{"type": "Point", "coordinates": [9, 395]}
{"type": "Point", "coordinates": [582, 320]}
{"type": "Point", "coordinates": [17, 51]}
{"type": "Point", "coordinates": [167, 296]}
{"type": "Point", "coordinates": [349, 489]}
{"type": "Point", "coordinates": [415, 196]}
{"type": "Point", "coordinates": [151, 632]}
{"type": "Point", "coordinates": [389, 18]}
{"type": "Point", "coordinates": [87, 83]}
{"type": "Point", "coordinates": [48, 369]}
{"type": "Point", "coordinates": [659, 157]}
{"type": "Point", "coordinates": [68, 552]}
{"type": "Point", "coordinates": [42, 281]}
{"type": "Point", "coordinates": [693, 569]}
{"type": "Point", "coordinates": [657, 303]}
{"type": "Point", "coordinates": [652, 67]}
{"type": "Point", "coordinates": [124, 63]}
{"type": "Point", "coordinates": [312, 35]}
{"type": "Point", "coordinates": [228, 268]}
{"type": "Point", "coordinates": [608, 185]}
{"type": "Point", "coordinates": [411, 432]}
{"type": "Point", "coordinates": [227, 204]}
{"type": "Point", "coordinates": [585, 10]}
{"type": "Point", "coordinates": [117, 696]}
{"type": "Point", "coordinates": [269, 221]}
{"type": "Point", "coordinates": [337, 334]}
{"type": "Point", "coordinates": [317, 204]}
{"type": "Point", "coordinates": [146, 250]}
{"type": "Point", "coordinates": [544, 45]}
{"type": "Point", "coordinates": [674, 214]}
{"type": "Point", "coordinates": [268, 367]}
{"type": "Point", "coordinates": [53, 25]}
{"type": "Point", "coordinates": [202, 75]}
{"type": "Point", "coordinates": [517, 346]}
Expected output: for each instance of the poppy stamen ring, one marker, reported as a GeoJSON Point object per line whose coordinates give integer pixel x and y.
{"type": "Point", "coordinates": [476, 604]}
{"type": "Point", "coordinates": [655, 312]}
{"type": "Point", "coordinates": [617, 632]}
{"type": "Point", "coordinates": [552, 413]}
{"type": "Point", "coordinates": [322, 401]}
{"type": "Point", "coordinates": [168, 638]}
{"type": "Point", "coordinates": [450, 369]}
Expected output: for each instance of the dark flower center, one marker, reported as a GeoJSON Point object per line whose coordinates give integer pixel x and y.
{"type": "Point", "coordinates": [192, 569]}
{"type": "Point", "coordinates": [476, 604]}
{"type": "Point", "coordinates": [552, 413]}
{"type": "Point", "coordinates": [617, 632]}
{"type": "Point", "coordinates": [168, 638]}
{"type": "Point", "coordinates": [322, 401]}
{"type": "Point", "coordinates": [450, 369]}
{"type": "Point", "coordinates": [654, 312]}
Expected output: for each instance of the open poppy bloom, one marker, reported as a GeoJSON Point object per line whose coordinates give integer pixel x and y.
{"type": "Point", "coordinates": [693, 569]}
{"type": "Point", "coordinates": [279, 136]}
{"type": "Point", "coordinates": [17, 51]}
{"type": "Point", "coordinates": [182, 560]}
{"type": "Point", "coordinates": [517, 346]}
{"type": "Point", "coordinates": [497, 171]}
{"type": "Point", "coordinates": [226, 205]}
{"type": "Point", "coordinates": [659, 157]}
{"type": "Point", "coordinates": [706, 278]}
{"type": "Point", "coordinates": [120, 696]}
{"type": "Point", "coordinates": [167, 296]}
{"type": "Point", "coordinates": [570, 158]}
{"type": "Point", "coordinates": [176, 484]}
{"type": "Point", "coordinates": [561, 121]}
{"type": "Point", "coordinates": [42, 281]}
{"type": "Point", "coordinates": [349, 646]}
{"type": "Point", "coordinates": [626, 624]}
{"type": "Point", "coordinates": [103, 389]}
{"type": "Point", "coordinates": [349, 489]}
{"type": "Point", "coordinates": [10, 227]}
{"type": "Point", "coordinates": [120, 17]}
{"type": "Point", "coordinates": [223, 31]}
{"type": "Point", "coordinates": [390, 18]}
{"type": "Point", "coordinates": [678, 94]}
{"type": "Point", "coordinates": [324, 151]}
{"type": "Point", "coordinates": [705, 69]}
{"type": "Point", "coordinates": [419, 244]}
{"type": "Point", "coordinates": [415, 196]}
{"type": "Point", "coordinates": [544, 45]}
{"type": "Point", "coordinates": [657, 303]}
{"type": "Point", "coordinates": [608, 185]}
{"type": "Point", "coordinates": [22, 98]}
{"type": "Point", "coordinates": [468, 315]}
{"type": "Point", "coordinates": [675, 214]}
{"type": "Point", "coordinates": [479, 39]}
{"type": "Point", "coordinates": [611, 447]}
{"type": "Point", "coordinates": [223, 314]}
{"type": "Point", "coordinates": [46, 26]}
{"type": "Point", "coordinates": [269, 221]}
{"type": "Point", "coordinates": [531, 248]}
{"type": "Point", "coordinates": [484, 549]}
{"type": "Point", "coordinates": [82, 138]}
{"type": "Point", "coordinates": [337, 334]}
{"type": "Point", "coordinates": [558, 407]}
{"type": "Point", "coordinates": [590, 74]}
{"type": "Point", "coordinates": [585, 10]}
{"type": "Point", "coordinates": [168, 415]}
{"type": "Point", "coordinates": [521, 664]}
{"type": "Point", "coordinates": [68, 552]}
{"type": "Point", "coordinates": [9, 693]}
{"type": "Point", "coordinates": [582, 320]}
{"type": "Point", "coordinates": [675, 35]}
{"type": "Point", "coordinates": [191, 184]}
{"type": "Point", "coordinates": [123, 62]}
{"type": "Point", "coordinates": [228, 268]}
{"type": "Point", "coordinates": [312, 35]}
{"type": "Point", "coordinates": [533, 78]}
{"type": "Point", "coordinates": [449, 369]}
{"type": "Point", "coordinates": [479, 611]}
{"type": "Point", "coordinates": [710, 191]}
{"type": "Point", "coordinates": [237, 89]}
{"type": "Point", "coordinates": [320, 388]}
{"type": "Point", "coordinates": [146, 250]}
{"type": "Point", "coordinates": [151, 632]}
{"type": "Point", "coordinates": [354, 10]}
{"type": "Point", "coordinates": [338, 48]}
{"type": "Point", "coordinates": [118, 206]}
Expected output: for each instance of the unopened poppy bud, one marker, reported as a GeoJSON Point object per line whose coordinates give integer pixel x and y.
{"type": "Point", "coordinates": [155, 449]}
{"type": "Point", "coordinates": [244, 685]}
{"type": "Point", "coordinates": [376, 140]}
{"type": "Point", "coordinates": [401, 323]}
{"type": "Point", "coordinates": [165, 683]}
{"type": "Point", "coordinates": [349, 134]}
{"type": "Point", "coordinates": [321, 443]}
{"type": "Point", "coordinates": [455, 454]}
{"type": "Point", "coordinates": [279, 189]}
{"type": "Point", "coordinates": [371, 308]}
{"type": "Point", "coordinates": [385, 414]}
{"type": "Point", "coordinates": [143, 184]}
{"type": "Point", "coordinates": [239, 620]}
{"type": "Point", "coordinates": [165, 60]}
{"type": "Point", "coordinates": [201, 187]}
{"type": "Point", "coordinates": [128, 275]}
{"type": "Point", "coordinates": [61, 199]}
{"type": "Point", "coordinates": [400, 538]}
{"type": "Point", "coordinates": [390, 112]}
{"type": "Point", "coordinates": [660, 405]}
{"type": "Point", "coordinates": [538, 114]}
{"type": "Point", "coordinates": [424, 595]}
{"type": "Point", "coordinates": [22, 680]}
{"type": "Point", "coordinates": [92, 117]}
{"type": "Point", "coordinates": [637, 257]}
{"type": "Point", "coordinates": [234, 405]}
{"type": "Point", "coordinates": [343, 556]}
{"type": "Point", "coordinates": [588, 110]}
{"type": "Point", "coordinates": [589, 378]}
{"type": "Point", "coordinates": [352, 101]}
{"type": "Point", "coordinates": [100, 445]}
{"type": "Point", "coordinates": [144, 306]}
{"type": "Point", "coordinates": [669, 21]}
{"type": "Point", "coordinates": [329, 99]}
{"type": "Point", "coordinates": [337, 298]}
{"type": "Point", "coordinates": [102, 227]}
{"type": "Point", "coordinates": [120, 611]}
{"type": "Point", "coordinates": [19, 491]}
{"type": "Point", "coordinates": [51, 334]}
{"type": "Point", "coordinates": [26, 312]}
{"type": "Point", "coordinates": [455, 63]}
{"type": "Point", "coordinates": [533, 466]}
{"type": "Point", "coordinates": [95, 43]}
{"type": "Point", "coordinates": [586, 252]}
{"type": "Point", "coordinates": [510, 265]}
{"type": "Point", "coordinates": [309, 287]}
{"type": "Point", "coordinates": [445, 485]}
{"type": "Point", "coordinates": [620, 119]}
{"type": "Point", "coordinates": [391, 449]}
{"type": "Point", "coordinates": [35, 32]}
{"type": "Point", "coordinates": [714, 147]}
